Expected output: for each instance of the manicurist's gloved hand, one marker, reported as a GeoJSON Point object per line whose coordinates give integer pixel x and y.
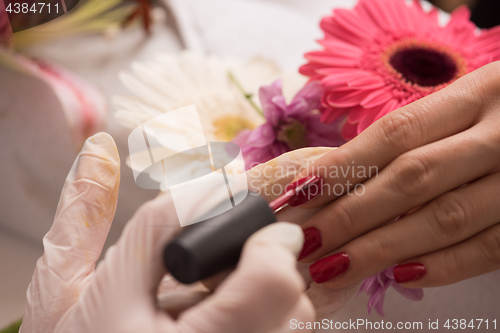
{"type": "Point", "coordinates": [67, 293]}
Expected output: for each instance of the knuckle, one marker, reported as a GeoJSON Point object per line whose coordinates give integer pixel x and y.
{"type": "Point", "coordinates": [493, 71]}
{"type": "Point", "coordinates": [381, 248]}
{"type": "Point", "coordinates": [344, 220]}
{"type": "Point", "coordinates": [449, 216]}
{"type": "Point", "coordinates": [400, 129]}
{"type": "Point", "coordinates": [412, 175]}
{"type": "Point", "coordinates": [455, 264]}
{"type": "Point", "coordinates": [491, 245]}
{"type": "Point", "coordinates": [482, 84]}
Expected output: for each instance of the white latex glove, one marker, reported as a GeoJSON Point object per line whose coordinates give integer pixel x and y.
{"type": "Point", "coordinates": [68, 295]}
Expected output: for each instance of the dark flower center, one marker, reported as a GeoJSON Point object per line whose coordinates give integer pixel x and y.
{"type": "Point", "coordinates": [293, 133]}
{"type": "Point", "coordinates": [423, 66]}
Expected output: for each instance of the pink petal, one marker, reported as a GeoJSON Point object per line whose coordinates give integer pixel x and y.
{"type": "Point", "coordinates": [330, 59]}
{"type": "Point", "coordinates": [5, 29]}
{"type": "Point", "coordinates": [341, 79]}
{"type": "Point", "coordinates": [349, 131]}
{"type": "Point", "coordinates": [333, 29]}
{"type": "Point", "coordinates": [367, 82]}
{"type": "Point", "coordinates": [342, 70]}
{"type": "Point", "coordinates": [357, 113]}
{"type": "Point", "coordinates": [459, 25]}
{"type": "Point", "coordinates": [389, 107]}
{"type": "Point", "coordinates": [368, 118]}
{"type": "Point", "coordinates": [349, 20]}
{"type": "Point", "coordinates": [311, 70]}
{"type": "Point", "coordinates": [396, 13]}
{"type": "Point", "coordinates": [378, 14]}
{"type": "Point", "coordinates": [376, 98]}
{"type": "Point", "coordinates": [341, 47]}
{"type": "Point", "coordinates": [347, 99]}
{"type": "Point", "coordinates": [330, 114]}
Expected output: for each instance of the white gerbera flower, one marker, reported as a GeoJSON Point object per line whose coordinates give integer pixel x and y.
{"type": "Point", "coordinates": [223, 91]}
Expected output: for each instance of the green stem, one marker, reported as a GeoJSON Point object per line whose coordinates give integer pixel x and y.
{"type": "Point", "coordinates": [14, 328]}
{"type": "Point", "coordinates": [247, 96]}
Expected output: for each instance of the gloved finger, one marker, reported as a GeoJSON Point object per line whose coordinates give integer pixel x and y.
{"type": "Point", "coordinates": [175, 297]}
{"type": "Point", "coordinates": [214, 281]}
{"type": "Point", "coordinates": [85, 210]}
{"type": "Point", "coordinates": [263, 289]}
{"type": "Point", "coordinates": [129, 275]}
{"type": "Point", "coordinates": [303, 312]}
{"type": "Point", "coordinates": [135, 263]}
{"type": "Point", "coordinates": [75, 240]}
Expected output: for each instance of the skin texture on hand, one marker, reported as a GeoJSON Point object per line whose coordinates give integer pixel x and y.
{"type": "Point", "coordinates": [438, 162]}
{"type": "Point", "coordinates": [68, 294]}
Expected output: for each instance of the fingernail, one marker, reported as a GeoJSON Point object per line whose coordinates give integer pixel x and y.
{"type": "Point", "coordinates": [409, 272]}
{"type": "Point", "coordinates": [308, 193]}
{"type": "Point", "coordinates": [312, 242]}
{"type": "Point", "coordinates": [330, 267]}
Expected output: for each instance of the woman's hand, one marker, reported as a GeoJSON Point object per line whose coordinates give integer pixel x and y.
{"type": "Point", "coordinates": [424, 153]}
{"type": "Point", "coordinates": [67, 293]}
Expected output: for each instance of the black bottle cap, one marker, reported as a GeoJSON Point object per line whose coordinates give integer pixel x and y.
{"type": "Point", "coordinates": [213, 245]}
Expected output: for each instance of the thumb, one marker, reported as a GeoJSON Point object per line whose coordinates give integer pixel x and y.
{"type": "Point", "coordinates": [85, 211]}
{"type": "Point", "coordinates": [262, 290]}
{"type": "Point", "coordinates": [75, 240]}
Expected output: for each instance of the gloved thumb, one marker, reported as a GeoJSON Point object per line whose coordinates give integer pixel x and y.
{"type": "Point", "coordinates": [85, 211]}
{"type": "Point", "coordinates": [76, 238]}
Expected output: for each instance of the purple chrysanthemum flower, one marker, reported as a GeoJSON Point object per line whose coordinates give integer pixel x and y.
{"type": "Point", "coordinates": [375, 286]}
{"type": "Point", "coordinates": [288, 126]}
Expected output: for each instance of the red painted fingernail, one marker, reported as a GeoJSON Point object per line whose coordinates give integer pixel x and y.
{"type": "Point", "coordinates": [330, 267]}
{"type": "Point", "coordinates": [308, 193]}
{"type": "Point", "coordinates": [409, 272]}
{"type": "Point", "coordinates": [312, 242]}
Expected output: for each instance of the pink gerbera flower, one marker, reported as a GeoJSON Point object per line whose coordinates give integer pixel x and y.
{"type": "Point", "coordinates": [288, 126]}
{"type": "Point", "coordinates": [5, 29]}
{"type": "Point", "coordinates": [385, 54]}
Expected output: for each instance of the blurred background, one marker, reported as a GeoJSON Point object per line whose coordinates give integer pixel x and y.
{"type": "Point", "coordinates": [56, 86]}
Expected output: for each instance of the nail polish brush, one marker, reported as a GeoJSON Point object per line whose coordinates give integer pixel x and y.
{"type": "Point", "coordinates": [211, 246]}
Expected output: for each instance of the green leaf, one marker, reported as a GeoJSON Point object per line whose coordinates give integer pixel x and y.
{"type": "Point", "coordinates": [14, 328]}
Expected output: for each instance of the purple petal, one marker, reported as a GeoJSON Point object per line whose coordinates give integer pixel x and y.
{"type": "Point", "coordinates": [379, 306]}
{"type": "Point", "coordinates": [242, 138]}
{"type": "Point", "coordinates": [412, 294]}
{"type": "Point", "coordinates": [311, 93]}
{"type": "Point", "coordinates": [266, 93]}
{"type": "Point", "coordinates": [389, 272]}
{"type": "Point", "coordinates": [261, 136]}
{"type": "Point", "coordinates": [298, 107]}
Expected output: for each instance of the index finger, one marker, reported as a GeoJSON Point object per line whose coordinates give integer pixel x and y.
{"type": "Point", "coordinates": [414, 125]}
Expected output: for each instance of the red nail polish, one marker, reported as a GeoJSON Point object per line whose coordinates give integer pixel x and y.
{"type": "Point", "coordinates": [330, 267]}
{"type": "Point", "coordinates": [409, 272]}
{"type": "Point", "coordinates": [307, 193]}
{"type": "Point", "coordinates": [312, 242]}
